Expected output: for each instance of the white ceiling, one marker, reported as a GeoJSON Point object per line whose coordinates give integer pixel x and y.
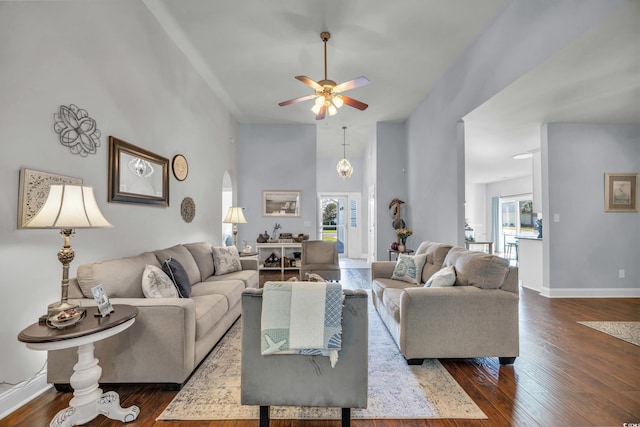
{"type": "Point", "coordinates": [249, 52]}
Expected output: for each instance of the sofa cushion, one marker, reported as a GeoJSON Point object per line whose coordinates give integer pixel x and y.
{"type": "Point", "coordinates": [201, 253]}
{"type": "Point", "coordinates": [442, 278]}
{"type": "Point", "coordinates": [230, 289]}
{"type": "Point", "coordinates": [121, 278]}
{"type": "Point", "coordinates": [178, 276]}
{"type": "Point", "coordinates": [226, 259]}
{"type": "Point", "coordinates": [156, 283]}
{"type": "Point", "coordinates": [249, 277]}
{"type": "Point", "coordinates": [409, 268]}
{"type": "Point", "coordinates": [436, 253]}
{"type": "Point", "coordinates": [209, 310]}
{"type": "Point", "coordinates": [477, 268]}
{"type": "Point", "coordinates": [391, 300]}
{"type": "Point", "coordinates": [184, 257]}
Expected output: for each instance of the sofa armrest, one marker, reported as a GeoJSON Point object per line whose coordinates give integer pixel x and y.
{"type": "Point", "coordinates": [382, 269]}
{"type": "Point", "coordinates": [164, 332]}
{"type": "Point", "coordinates": [249, 263]}
{"type": "Point", "coordinates": [458, 318]}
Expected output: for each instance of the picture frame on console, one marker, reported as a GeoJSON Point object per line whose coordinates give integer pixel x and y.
{"type": "Point", "coordinates": [621, 192]}
{"type": "Point", "coordinates": [137, 175]}
{"type": "Point", "coordinates": [281, 203]}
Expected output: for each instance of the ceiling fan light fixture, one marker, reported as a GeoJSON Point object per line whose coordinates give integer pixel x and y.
{"type": "Point", "coordinates": [327, 92]}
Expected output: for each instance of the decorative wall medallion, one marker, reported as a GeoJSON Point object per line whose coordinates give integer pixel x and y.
{"type": "Point", "coordinates": [77, 130]}
{"type": "Point", "coordinates": [34, 190]}
{"type": "Point", "coordinates": [180, 167]}
{"type": "Point", "coordinates": [188, 209]}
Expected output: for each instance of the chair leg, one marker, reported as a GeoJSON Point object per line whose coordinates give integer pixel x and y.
{"type": "Point", "coordinates": [346, 417]}
{"type": "Point", "coordinates": [264, 416]}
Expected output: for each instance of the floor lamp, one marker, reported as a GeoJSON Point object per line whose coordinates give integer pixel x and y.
{"type": "Point", "coordinates": [68, 207]}
{"type": "Point", "coordinates": [235, 217]}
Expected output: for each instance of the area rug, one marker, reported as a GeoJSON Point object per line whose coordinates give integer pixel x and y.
{"type": "Point", "coordinates": [396, 390]}
{"type": "Point", "coordinates": [626, 331]}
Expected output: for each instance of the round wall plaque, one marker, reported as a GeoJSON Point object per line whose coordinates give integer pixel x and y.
{"type": "Point", "coordinates": [188, 209]}
{"type": "Point", "coordinates": [180, 167]}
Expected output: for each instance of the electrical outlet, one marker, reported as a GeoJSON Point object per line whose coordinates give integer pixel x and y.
{"type": "Point", "coordinates": [621, 274]}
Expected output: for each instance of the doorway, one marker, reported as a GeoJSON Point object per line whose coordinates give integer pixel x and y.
{"type": "Point", "coordinates": [340, 222]}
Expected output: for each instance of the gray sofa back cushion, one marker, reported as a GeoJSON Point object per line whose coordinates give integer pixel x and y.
{"type": "Point", "coordinates": [121, 278]}
{"type": "Point", "coordinates": [184, 257]}
{"type": "Point", "coordinates": [436, 254]}
{"type": "Point", "coordinates": [477, 268]}
{"type": "Point", "coordinates": [203, 256]}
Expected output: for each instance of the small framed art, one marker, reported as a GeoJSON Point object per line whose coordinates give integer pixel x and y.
{"type": "Point", "coordinates": [621, 192]}
{"type": "Point", "coordinates": [281, 203]}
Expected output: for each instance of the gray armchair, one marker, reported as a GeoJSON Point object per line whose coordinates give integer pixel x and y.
{"type": "Point", "coordinates": [302, 380]}
{"type": "Point", "coordinates": [320, 257]}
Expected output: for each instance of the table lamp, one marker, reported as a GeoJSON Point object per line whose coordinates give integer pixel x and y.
{"type": "Point", "coordinates": [68, 207]}
{"type": "Point", "coordinates": [235, 217]}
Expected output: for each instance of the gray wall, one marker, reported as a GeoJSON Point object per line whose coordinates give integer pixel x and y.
{"type": "Point", "coordinates": [276, 157]}
{"type": "Point", "coordinates": [524, 35]}
{"type": "Point", "coordinates": [391, 182]}
{"type": "Point", "coordinates": [114, 60]}
{"type": "Point", "coordinates": [588, 246]}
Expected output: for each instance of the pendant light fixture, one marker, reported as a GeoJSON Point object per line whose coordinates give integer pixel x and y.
{"type": "Point", "coordinates": [344, 168]}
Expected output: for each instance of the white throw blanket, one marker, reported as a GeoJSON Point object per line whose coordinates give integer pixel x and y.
{"type": "Point", "coordinates": [302, 318]}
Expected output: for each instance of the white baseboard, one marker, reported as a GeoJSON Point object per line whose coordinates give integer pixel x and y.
{"type": "Point", "coordinates": [590, 292]}
{"type": "Point", "coordinates": [22, 393]}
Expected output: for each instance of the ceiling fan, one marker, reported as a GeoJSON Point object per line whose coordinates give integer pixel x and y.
{"type": "Point", "coordinates": [328, 94]}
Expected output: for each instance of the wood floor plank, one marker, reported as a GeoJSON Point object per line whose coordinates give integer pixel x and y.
{"type": "Point", "coordinates": [567, 374]}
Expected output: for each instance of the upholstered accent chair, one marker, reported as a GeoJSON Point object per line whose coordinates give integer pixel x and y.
{"type": "Point", "coordinates": [320, 257]}
{"type": "Point", "coordinates": [305, 380]}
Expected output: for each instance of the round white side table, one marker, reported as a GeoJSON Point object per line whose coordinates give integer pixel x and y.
{"type": "Point", "coordinates": [88, 399]}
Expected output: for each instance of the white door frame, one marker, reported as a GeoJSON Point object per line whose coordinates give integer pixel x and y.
{"type": "Point", "coordinates": [353, 245]}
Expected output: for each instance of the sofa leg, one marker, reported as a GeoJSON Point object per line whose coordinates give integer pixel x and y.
{"type": "Point", "coordinates": [507, 360]}
{"type": "Point", "coordinates": [264, 416]}
{"type": "Point", "coordinates": [346, 417]}
{"type": "Point", "coordinates": [415, 361]}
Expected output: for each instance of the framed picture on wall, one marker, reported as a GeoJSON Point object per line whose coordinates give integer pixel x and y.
{"type": "Point", "coordinates": [621, 192]}
{"type": "Point", "coordinates": [281, 203]}
{"type": "Point", "coordinates": [137, 175]}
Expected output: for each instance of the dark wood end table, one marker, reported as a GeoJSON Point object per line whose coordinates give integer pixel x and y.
{"type": "Point", "coordinates": [88, 399]}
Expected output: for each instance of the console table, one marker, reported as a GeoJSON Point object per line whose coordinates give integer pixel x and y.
{"type": "Point", "coordinates": [88, 399]}
{"type": "Point", "coordinates": [489, 245]}
{"type": "Point", "coordinates": [397, 252]}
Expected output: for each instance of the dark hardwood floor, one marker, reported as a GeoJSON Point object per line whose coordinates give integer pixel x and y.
{"type": "Point", "coordinates": [566, 375]}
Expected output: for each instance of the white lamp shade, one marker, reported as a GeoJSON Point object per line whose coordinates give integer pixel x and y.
{"type": "Point", "coordinates": [69, 206]}
{"type": "Point", "coordinates": [235, 216]}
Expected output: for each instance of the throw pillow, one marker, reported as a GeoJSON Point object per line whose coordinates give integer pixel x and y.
{"type": "Point", "coordinates": [226, 260]}
{"type": "Point", "coordinates": [409, 268]}
{"type": "Point", "coordinates": [178, 276]}
{"type": "Point", "coordinates": [444, 277]}
{"type": "Point", "coordinates": [156, 283]}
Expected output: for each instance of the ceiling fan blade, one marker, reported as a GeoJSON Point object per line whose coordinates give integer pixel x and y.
{"type": "Point", "coordinates": [296, 100]}
{"type": "Point", "coordinates": [351, 84]}
{"type": "Point", "coordinates": [306, 80]}
{"type": "Point", "coordinates": [321, 113]}
{"type": "Point", "coordinates": [354, 103]}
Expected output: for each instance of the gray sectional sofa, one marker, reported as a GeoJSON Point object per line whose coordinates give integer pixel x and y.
{"type": "Point", "coordinates": [477, 317]}
{"type": "Point", "coordinates": [170, 336]}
